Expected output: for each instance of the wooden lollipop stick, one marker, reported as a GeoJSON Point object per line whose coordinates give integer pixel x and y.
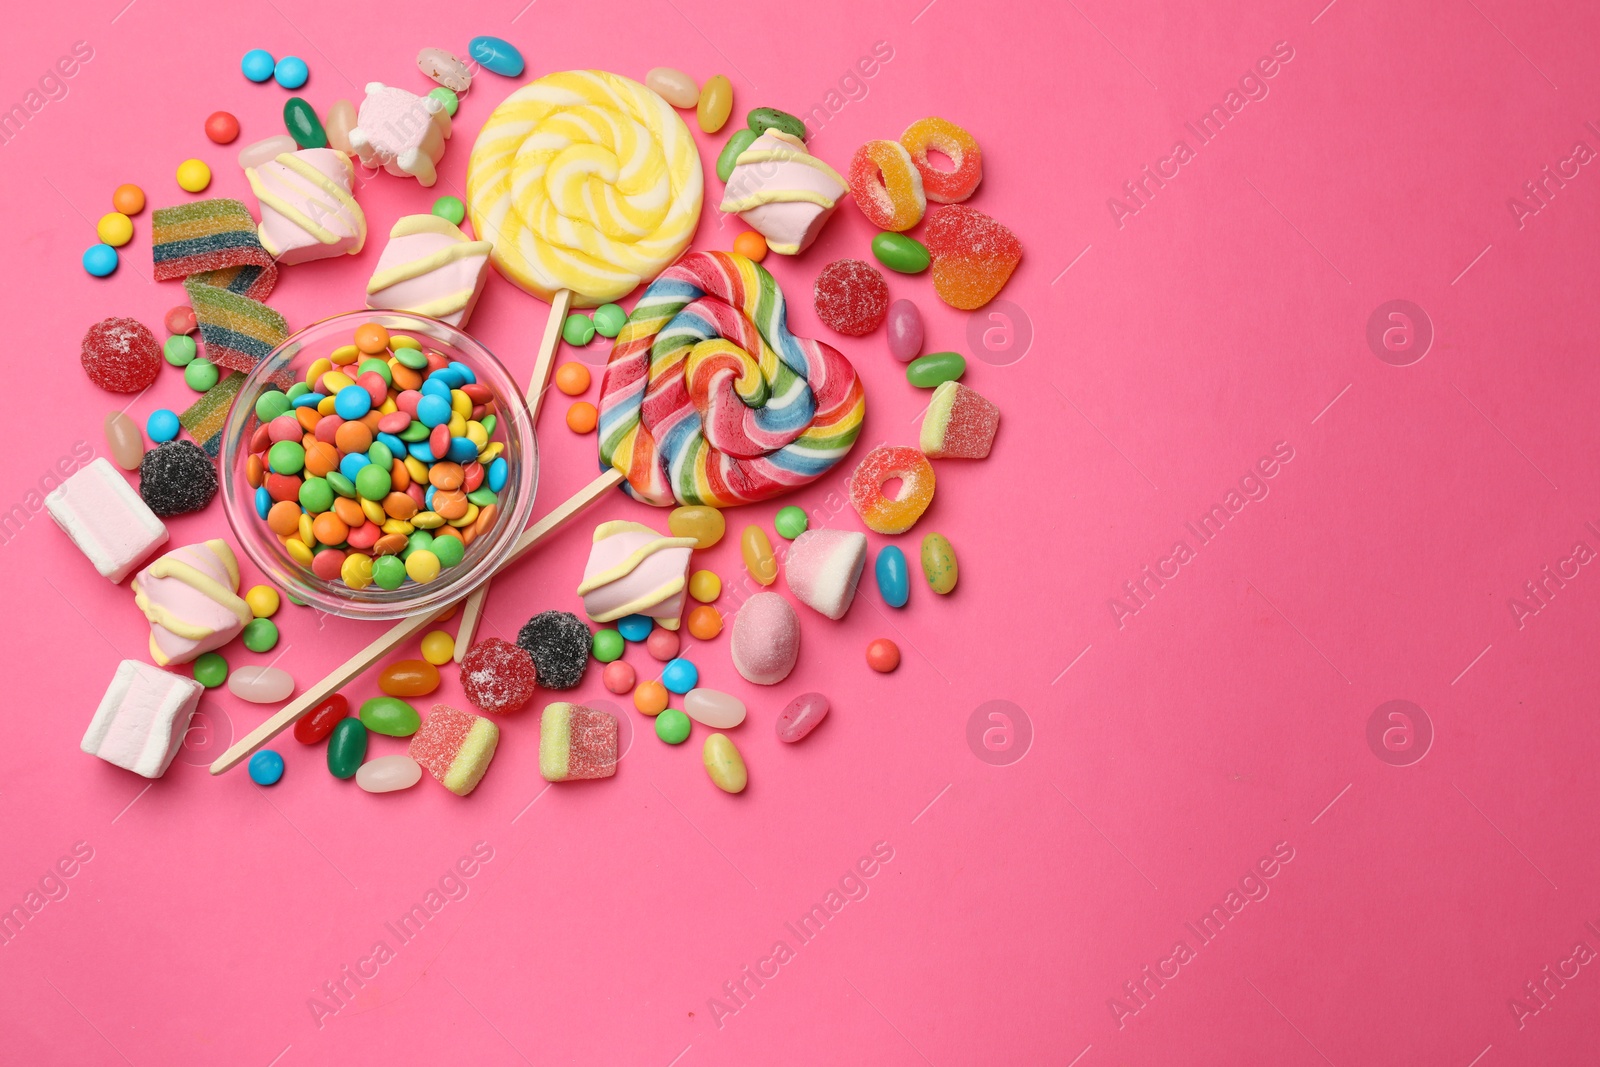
{"type": "Point", "coordinates": [472, 610]}
{"type": "Point", "coordinates": [404, 630]}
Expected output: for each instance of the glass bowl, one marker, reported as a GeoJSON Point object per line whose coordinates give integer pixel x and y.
{"type": "Point", "coordinates": [483, 556]}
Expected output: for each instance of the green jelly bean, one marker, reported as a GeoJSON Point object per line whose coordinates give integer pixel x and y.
{"type": "Point", "coordinates": [347, 745]}
{"type": "Point", "coordinates": [179, 350]}
{"type": "Point", "coordinates": [411, 358]}
{"type": "Point", "coordinates": [341, 485]}
{"type": "Point", "coordinates": [381, 366]}
{"type": "Point", "coordinates": [201, 375]}
{"type": "Point", "coordinates": [260, 635]}
{"type": "Point", "coordinates": [608, 645]}
{"type": "Point", "coordinates": [390, 716]}
{"type": "Point", "coordinates": [271, 404]}
{"type": "Point", "coordinates": [578, 329]}
{"type": "Point", "coordinates": [900, 253]}
{"type": "Point", "coordinates": [609, 319]}
{"type": "Point", "coordinates": [388, 572]}
{"type": "Point", "coordinates": [210, 670]}
{"type": "Point", "coordinates": [447, 97]}
{"type": "Point", "coordinates": [790, 522]}
{"type": "Point", "coordinates": [763, 119]}
{"type": "Point", "coordinates": [728, 158]}
{"type": "Point", "coordinates": [936, 368]}
{"type": "Point", "coordinates": [300, 119]}
{"type": "Point", "coordinates": [316, 494]}
{"type": "Point", "coordinates": [939, 563]}
{"type": "Point", "coordinates": [483, 496]}
{"type": "Point", "coordinates": [379, 455]}
{"type": "Point", "coordinates": [297, 390]}
{"type": "Point", "coordinates": [489, 422]}
{"type": "Point", "coordinates": [672, 726]}
{"type": "Point", "coordinates": [416, 430]}
{"type": "Point", "coordinates": [450, 550]}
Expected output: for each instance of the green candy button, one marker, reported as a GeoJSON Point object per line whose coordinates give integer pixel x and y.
{"type": "Point", "coordinates": [210, 670]}
{"type": "Point", "coordinates": [179, 350]}
{"type": "Point", "coordinates": [608, 646]}
{"type": "Point", "coordinates": [672, 726]}
{"type": "Point", "coordinates": [935, 369]}
{"type": "Point", "coordinates": [609, 319]}
{"type": "Point", "coordinates": [260, 635]}
{"type": "Point", "coordinates": [390, 716]}
{"type": "Point", "coordinates": [578, 329]}
{"type": "Point", "coordinates": [790, 522]}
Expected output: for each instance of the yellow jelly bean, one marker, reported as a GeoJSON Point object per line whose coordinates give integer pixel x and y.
{"type": "Point", "coordinates": [318, 368]}
{"type": "Point", "coordinates": [468, 519]}
{"type": "Point", "coordinates": [422, 566]}
{"type": "Point", "coordinates": [400, 340]}
{"type": "Point", "coordinates": [417, 469]}
{"type": "Point", "coordinates": [325, 406]}
{"type": "Point", "coordinates": [344, 355]}
{"type": "Point", "coordinates": [373, 510]}
{"type": "Point", "coordinates": [705, 586]}
{"type": "Point", "coordinates": [306, 523]}
{"type": "Point", "coordinates": [477, 435]}
{"type": "Point", "coordinates": [723, 764]}
{"type": "Point", "coordinates": [490, 454]}
{"type": "Point", "coordinates": [298, 551]}
{"type": "Point", "coordinates": [705, 525]}
{"type": "Point", "coordinates": [333, 381]}
{"type": "Point", "coordinates": [757, 552]}
{"type": "Point", "coordinates": [716, 101]}
{"type": "Point", "coordinates": [263, 601]}
{"type": "Point", "coordinates": [357, 572]}
{"type": "Point", "coordinates": [398, 526]}
{"type": "Point", "coordinates": [438, 648]}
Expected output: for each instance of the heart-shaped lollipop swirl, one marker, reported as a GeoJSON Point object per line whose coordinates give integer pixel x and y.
{"type": "Point", "coordinates": [709, 399]}
{"type": "Point", "coordinates": [587, 181]}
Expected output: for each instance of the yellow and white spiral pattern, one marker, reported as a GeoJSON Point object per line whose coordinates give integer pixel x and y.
{"type": "Point", "coordinates": [587, 181]}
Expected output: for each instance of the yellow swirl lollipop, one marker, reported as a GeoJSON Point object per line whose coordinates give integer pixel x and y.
{"type": "Point", "coordinates": [584, 181]}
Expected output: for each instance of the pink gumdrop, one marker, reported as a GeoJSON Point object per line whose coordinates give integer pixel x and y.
{"type": "Point", "coordinates": [662, 644]}
{"type": "Point", "coordinates": [376, 387]}
{"type": "Point", "coordinates": [407, 401]}
{"type": "Point", "coordinates": [394, 422]}
{"type": "Point", "coordinates": [326, 428]}
{"type": "Point", "coordinates": [364, 536]}
{"type": "Point", "coordinates": [804, 713]}
{"type": "Point", "coordinates": [326, 565]}
{"type": "Point", "coordinates": [285, 428]}
{"type": "Point", "coordinates": [905, 331]}
{"type": "Point", "coordinates": [618, 677]}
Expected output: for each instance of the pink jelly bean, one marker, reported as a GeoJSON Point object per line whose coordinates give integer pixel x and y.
{"type": "Point", "coordinates": [327, 427]}
{"type": "Point", "coordinates": [905, 331]}
{"type": "Point", "coordinates": [407, 401]}
{"type": "Point", "coordinates": [375, 386]}
{"type": "Point", "coordinates": [804, 714]}
{"type": "Point", "coordinates": [285, 428]}
{"type": "Point", "coordinates": [394, 422]}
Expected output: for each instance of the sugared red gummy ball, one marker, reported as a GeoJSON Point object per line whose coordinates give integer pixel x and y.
{"type": "Point", "coordinates": [851, 297]}
{"type": "Point", "coordinates": [498, 676]}
{"type": "Point", "coordinates": [121, 355]}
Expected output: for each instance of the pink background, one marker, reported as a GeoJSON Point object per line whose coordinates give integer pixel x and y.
{"type": "Point", "coordinates": [1160, 760]}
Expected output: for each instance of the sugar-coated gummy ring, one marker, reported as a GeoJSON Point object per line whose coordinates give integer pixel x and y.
{"type": "Point", "coordinates": [887, 186]}
{"type": "Point", "coordinates": [944, 186]}
{"type": "Point", "coordinates": [708, 398]}
{"type": "Point", "coordinates": [879, 512]}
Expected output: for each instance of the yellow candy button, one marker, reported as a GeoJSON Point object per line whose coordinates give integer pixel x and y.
{"type": "Point", "coordinates": [193, 176]}
{"type": "Point", "coordinates": [705, 586]}
{"type": "Point", "coordinates": [438, 648]}
{"type": "Point", "coordinates": [422, 566]}
{"type": "Point", "coordinates": [263, 601]}
{"type": "Point", "coordinates": [115, 229]}
{"type": "Point", "coordinates": [357, 572]}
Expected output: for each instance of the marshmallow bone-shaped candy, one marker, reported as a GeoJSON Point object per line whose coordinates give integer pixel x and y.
{"type": "Point", "coordinates": [401, 132]}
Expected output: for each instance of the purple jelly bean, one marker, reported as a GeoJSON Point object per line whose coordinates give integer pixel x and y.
{"type": "Point", "coordinates": [905, 331]}
{"type": "Point", "coordinates": [804, 714]}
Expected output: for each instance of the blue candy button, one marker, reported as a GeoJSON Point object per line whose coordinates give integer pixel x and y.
{"type": "Point", "coordinates": [266, 767]}
{"type": "Point", "coordinates": [680, 675]}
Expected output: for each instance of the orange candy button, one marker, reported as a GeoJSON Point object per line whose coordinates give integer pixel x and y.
{"type": "Point", "coordinates": [329, 529]}
{"type": "Point", "coordinates": [750, 245]}
{"type": "Point", "coordinates": [446, 475]}
{"type": "Point", "coordinates": [284, 518]}
{"type": "Point", "coordinates": [321, 458]}
{"type": "Point", "coordinates": [572, 378]}
{"type": "Point", "coordinates": [371, 338]}
{"type": "Point", "coordinates": [704, 622]}
{"type": "Point", "coordinates": [650, 698]}
{"type": "Point", "coordinates": [389, 545]}
{"type": "Point", "coordinates": [451, 503]}
{"type": "Point", "coordinates": [349, 511]}
{"type": "Point", "coordinates": [352, 437]}
{"type": "Point", "coordinates": [581, 417]}
{"type": "Point", "coordinates": [399, 505]}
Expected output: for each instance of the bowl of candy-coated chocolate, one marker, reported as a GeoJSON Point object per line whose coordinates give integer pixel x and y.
{"type": "Point", "coordinates": [378, 464]}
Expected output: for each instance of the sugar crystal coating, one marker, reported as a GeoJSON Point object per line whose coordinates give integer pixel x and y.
{"type": "Point", "coordinates": [121, 355]}
{"type": "Point", "coordinates": [176, 478]}
{"type": "Point", "coordinates": [559, 643]}
{"type": "Point", "coordinates": [851, 297]}
{"type": "Point", "coordinates": [498, 676]}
